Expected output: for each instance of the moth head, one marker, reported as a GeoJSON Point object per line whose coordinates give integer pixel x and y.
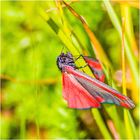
{"type": "Point", "coordinates": [65, 59]}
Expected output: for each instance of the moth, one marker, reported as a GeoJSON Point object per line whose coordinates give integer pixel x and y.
{"type": "Point", "coordinates": [81, 91]}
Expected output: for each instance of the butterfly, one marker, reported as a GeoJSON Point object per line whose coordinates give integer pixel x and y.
{"type": "Point", "coordinates": [81, 91]}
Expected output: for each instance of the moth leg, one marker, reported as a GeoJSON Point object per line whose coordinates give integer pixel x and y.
{"type": "Point", "coordinates": [82, 66]}
{"type": "Point", "coordinates": [78, 57]}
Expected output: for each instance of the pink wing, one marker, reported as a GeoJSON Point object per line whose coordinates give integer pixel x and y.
{"type": "Point", "coordinates": [77, 96]}
{"type": "Point", "coordinates": [82, 91]}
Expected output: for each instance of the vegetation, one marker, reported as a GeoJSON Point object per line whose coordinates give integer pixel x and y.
{"type": "Point", "coordinates": [33, 34]}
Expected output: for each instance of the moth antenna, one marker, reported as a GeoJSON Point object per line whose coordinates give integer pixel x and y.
{"type": "Point", "coordinates": [62, 49]}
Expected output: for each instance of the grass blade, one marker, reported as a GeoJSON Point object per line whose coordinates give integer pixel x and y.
{"type": "Point", "coordinates": [129, 54]}
{"type": "Point", "coordinates": [101, 124]}
{"type": "Point", "coordinates": [129, 124]}
{"type": "Point", "coordinates": [126, 12]}
{"type": "Point", "coordinates": [23, 128]}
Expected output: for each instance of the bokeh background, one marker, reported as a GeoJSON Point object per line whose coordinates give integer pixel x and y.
{"type": "Point", "coordinates": [32, 105]}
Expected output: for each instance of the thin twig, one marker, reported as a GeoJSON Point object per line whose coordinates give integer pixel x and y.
{"type": "Point", "coordinates": [63, 6]}
{"type": "Point", "coordinates": [50, 81]}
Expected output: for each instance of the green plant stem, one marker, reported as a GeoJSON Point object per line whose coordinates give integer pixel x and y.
{"type": "Point", "coordinates": [129, 54]}
{"type": "Point", "coordinates": [36, 89]}
{"type": "Point", "coordinates": [37, 129]}
{"type": "Point", "coordinates": [118, 123]}
{"type": "Point", "coordinates": [101, 124]}
{"type": "Point", "coordinates": [126, 12]}
{"type": "Point", "coordinates": [129, 124]}
{"type": "Point", "coordinates": [22, 128]}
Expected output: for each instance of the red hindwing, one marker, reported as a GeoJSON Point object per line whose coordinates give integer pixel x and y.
{"type": "Point", "coordinates": [96, 68]}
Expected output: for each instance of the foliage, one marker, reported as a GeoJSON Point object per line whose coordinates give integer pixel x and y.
{"type": "Point", "coordinates": [31, 90]}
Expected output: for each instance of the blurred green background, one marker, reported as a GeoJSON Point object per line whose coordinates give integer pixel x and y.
{"type": "Point", "coordinates": [31, 91]}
